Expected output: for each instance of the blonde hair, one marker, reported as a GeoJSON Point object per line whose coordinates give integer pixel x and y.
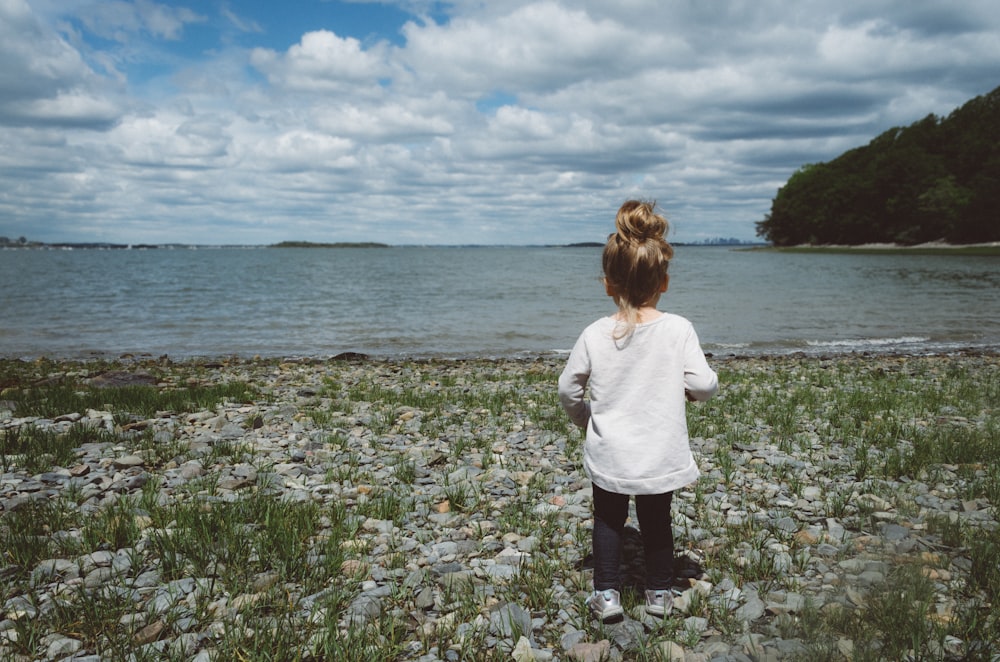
{"type": "Point", "coordinates": [635, 259]}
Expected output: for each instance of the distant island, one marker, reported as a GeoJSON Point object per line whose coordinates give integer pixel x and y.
{"type": "Point", "coordinates": [22, 242]}
{"type": "Point", "coordinates": [338, 244]}
{"type": "Point", "coordinates": [937, 180]}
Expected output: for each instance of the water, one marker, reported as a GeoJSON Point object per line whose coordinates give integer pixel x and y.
{"type": "Point", "coordinates": [459, 302]}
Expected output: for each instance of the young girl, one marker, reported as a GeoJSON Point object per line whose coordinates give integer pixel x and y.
{"type": "Point", "coordinates": [639, 364]}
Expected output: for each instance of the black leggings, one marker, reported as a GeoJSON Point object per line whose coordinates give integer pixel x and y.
{"type": "Point", "coordinates": [610, 512]}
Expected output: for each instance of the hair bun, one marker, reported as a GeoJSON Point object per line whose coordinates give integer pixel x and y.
{"type": "Point", "coordinates": [638, 222]}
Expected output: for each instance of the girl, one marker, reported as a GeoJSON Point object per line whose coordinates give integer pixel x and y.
{"type": "Point", "coordinates": [639, 365]}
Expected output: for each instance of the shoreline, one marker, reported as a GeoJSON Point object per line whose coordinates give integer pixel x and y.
{"type": "Point", "coordinates": [930, 248]}
{"type": "Point", "coordinates": [441, 508]}
{"type": "Point", "coordinates": [728, 354]}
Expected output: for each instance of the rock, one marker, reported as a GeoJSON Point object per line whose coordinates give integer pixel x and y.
{"type": "Point", "coordinates": [509, 620]}
{"type": "Point", "coordinates": [60, 647]}
{"type": "Point", "coordinates": [750, 610]}
{"type": "Point", "coordinates": [363, 609]}
{"type": "Point", "coordinates": [149, 633]}
{"type": "Point", "coordinates": [424, 599]}
{"type": "Point", "coordinates": [128, 461]}
{"type": "Point", "coordinates": [893, 532]}
{"type": "Point", "coordinates": [805, 537]}
{"type": "Point", "coordinates": [716, 649]}
{"type": "Point", "coordinates": [587, 652]}
{"type": "Point", "coordinates": [522, 651]}
{"type": "Point", "coordinates": [670, 651]}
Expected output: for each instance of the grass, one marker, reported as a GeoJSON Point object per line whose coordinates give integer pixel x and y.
{"type": "Point", "coordinates": [125, 401]}
{"type": "Point", "coordinates": [480, 454]}
{"type": "Point", "coordinates": [897, 622]}
{"type": "Point", "coordinates": [35, 450]}
{"type": "Point", "coordinates": [932, 422]}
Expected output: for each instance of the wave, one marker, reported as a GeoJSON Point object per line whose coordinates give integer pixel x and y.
{"type": "Point", "coordinates": [869, 342]}
{"type": "Point", "coordinates": [899, 344]}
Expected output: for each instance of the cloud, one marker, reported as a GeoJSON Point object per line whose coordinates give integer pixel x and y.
{"type": "Point", "coordinates": [121, 20]}
{"type": "Point", "coordinates": [67, 109]}
{"type": "Point", "coordinates": [240, 23]}
{"type": "Point", "coordinates": [43, 80]}
{"type": "Point", "coordinates": [171, 140]}
{"type": "Point", "coordinates": [536, 47]}
{"type": "Point", "coordinates": [322, 62]}
{"type": "Point", "coordinates": [398, 120]}
{"type": "Point", "coordinates": [514, 121]}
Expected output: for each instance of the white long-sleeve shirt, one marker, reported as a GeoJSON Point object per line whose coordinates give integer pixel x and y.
{"type": "Point", "coordinates": [637, 438]}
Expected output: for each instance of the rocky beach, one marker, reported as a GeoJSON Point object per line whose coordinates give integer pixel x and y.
{"type": "Point", "coordinates": [348, 508]}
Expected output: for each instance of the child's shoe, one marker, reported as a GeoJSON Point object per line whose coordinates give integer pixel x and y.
{"type": "Point", "coordinates": [659, 603]}
{"type": "Point", "coordinates": [606, 605]}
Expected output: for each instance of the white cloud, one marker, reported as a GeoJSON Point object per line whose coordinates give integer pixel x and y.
{"type": "Point", "coordinates": [535, 47]}
{"type": "Point", "coordinates": [67, 109]}
{"type": "Point", "coordinates": [322, 62]}
{"type": "Point", "coordinates": [43, 80]}
{"type": "Point", "coordinates": [302, 151]}
{"type": "Point", "coordinates": [166, 140]}
{"type": "Point", "coordinates": [240, 23]}
{"type": "Point", "coordinates": [120, 20]}
{"type": "Point", "coordinates": [416, 119]}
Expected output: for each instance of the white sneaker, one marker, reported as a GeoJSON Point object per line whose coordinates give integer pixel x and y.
{"type": "Point", "coordinates": [606, 605]}
{"type": "Point", "coordinates": [659, 603]}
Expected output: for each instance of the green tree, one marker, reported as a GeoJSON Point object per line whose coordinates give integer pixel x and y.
{"type": "Point", "coordinates": [935, 179]}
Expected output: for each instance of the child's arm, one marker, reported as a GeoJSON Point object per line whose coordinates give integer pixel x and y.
{"type": "Point", "coordinates": [700, 381]}
{"type": "Point", "coordinates": [573, 385]}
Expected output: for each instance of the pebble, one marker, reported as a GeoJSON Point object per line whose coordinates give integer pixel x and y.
{"type": "Point", "coordinates": [830, 560]}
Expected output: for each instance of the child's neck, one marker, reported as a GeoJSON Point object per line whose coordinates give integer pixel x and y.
{"type": "Point", "coordinates": [643, 314]}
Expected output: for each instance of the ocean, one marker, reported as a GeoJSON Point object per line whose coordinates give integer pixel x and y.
{"type": "Point", "coordinates": [453, 302]}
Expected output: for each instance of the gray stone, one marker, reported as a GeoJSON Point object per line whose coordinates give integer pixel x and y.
{"type": "Point", "coordinates": [750, 610]}
{"type": "Point", "coordinates": [509, 620]}
{"type": "Point", "coordinates": [62, 646]}
{"type": "Point", "coordinates": [363, 609]}
{"type": "Point", "coordinates": [893, 532]}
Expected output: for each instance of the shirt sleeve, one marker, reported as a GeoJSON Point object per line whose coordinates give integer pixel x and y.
{"type": "Point", "coordinates": [700, 381]}
{"type": "Point", "coordinates": [573, 384]}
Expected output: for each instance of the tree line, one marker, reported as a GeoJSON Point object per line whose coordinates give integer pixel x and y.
{"type": "Point", "coordinates": [935, 180]}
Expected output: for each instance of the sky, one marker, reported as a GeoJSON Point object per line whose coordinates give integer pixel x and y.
{"type": "Point", "coordinates": [468, 122]}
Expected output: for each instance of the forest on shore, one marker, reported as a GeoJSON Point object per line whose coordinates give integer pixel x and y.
{"type": "Point", "coordinates": [935, 180]}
